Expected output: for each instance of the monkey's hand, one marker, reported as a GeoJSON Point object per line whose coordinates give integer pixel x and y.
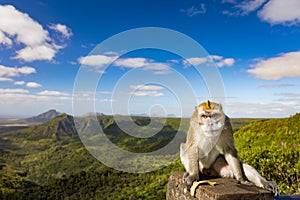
{"type": "Point", "coordinates": [189, 179]}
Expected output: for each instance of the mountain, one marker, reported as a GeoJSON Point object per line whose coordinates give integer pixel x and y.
{"type": "Point", "coordinates": [39, 119]}
{"type": "Point", "coordinates": [49, 160]}
{"type": "Point", "coordinates": [12, 124]}
{"type": "Point", "coordinates": [44, 117]}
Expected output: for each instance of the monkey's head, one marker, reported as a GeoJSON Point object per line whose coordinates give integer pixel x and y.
{"type": "Point", "coordinates": [210, 117]}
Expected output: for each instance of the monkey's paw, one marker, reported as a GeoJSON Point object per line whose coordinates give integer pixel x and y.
{"type": "Point", "coordinates": [271, 186]}
{"type": "Point", "coordinates": [189, 179]}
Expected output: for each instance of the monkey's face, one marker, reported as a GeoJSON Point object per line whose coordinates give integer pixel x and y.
{"type": "Point", "coordinates": [210, 117]}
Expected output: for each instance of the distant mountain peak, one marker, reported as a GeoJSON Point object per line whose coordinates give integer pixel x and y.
{"type": "Point", "coordinates": [44, 117]}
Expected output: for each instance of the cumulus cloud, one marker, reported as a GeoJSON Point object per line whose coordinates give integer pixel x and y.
{"type": "Point", "coordinates": [4, 40]}
{"type": "Point", "coordinates": [19, 27]}
{"type": "Point", "coordinates": [287, 94]}
{"type": "Point", "coordinates": [281, 12]}
{"type": "Point", "coordinates": [96, 60]}
{"type": "Point", "coordinates": [271, 11]}
{"type": "Point", "coordinates": [157, 68]}
{"type": "Point", "coordinates": [19, 83]}
{"type": "Point", "coordinates": [243, 8]}
{"type": "Point", "coordinates": [33, 85]}
{"type": "Point", "coordinates": [4, 79]}
{"type": "Point", "coordinates": [225, 62]}
{"type": "Point", "coordinates": [144, 64]}
{"type": "Point", "coordinates": [249, 6]}
{"type": "Point", "coordinates": [63, 29]}
{"type": "Point", "coordinates": [6, 73]}
{"type": "Point", "coordinates": [40, 52]}
{"type": "Point", "coordinates": [147, 93]}
{"type": "Point", "coordinates": [262, 109]}
{"type": "Point", "coordinates": [7, 91]}
{"type": "Point", "coordinates": [275, 68]}
{"type": "Point", "coordinates": [276, 85]}
{"type": "Point", "coordinates": [146, 90]}
{"type": "Point", "coordinates": [53, 93]}
{"type": "Point", "coordinates": [102, 60]}
{"type": "Point", "coordinates": [219, 61]}
{"type": "Point", "coordinates": [131, 62]}
{"type": "Point", "coordinates": [146, 87]}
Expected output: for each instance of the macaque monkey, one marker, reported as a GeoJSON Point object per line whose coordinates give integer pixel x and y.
{"type": "Point", "coordinates": [210, 150]}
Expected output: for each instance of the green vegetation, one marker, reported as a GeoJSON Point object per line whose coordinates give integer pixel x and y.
{"type": "Point", "coordinates": [273, 148]}
{"type": "Point", "coordinates": [48, 161]}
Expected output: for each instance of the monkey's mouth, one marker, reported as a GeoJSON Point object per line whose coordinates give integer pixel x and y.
{"type": "Point", "coordinates": [211, 128]}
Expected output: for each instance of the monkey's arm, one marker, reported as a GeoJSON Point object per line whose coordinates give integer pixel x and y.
{"type": "Point", "coordinates": [234, 162]}
{"type": "Point", "coordinates": [189, 158]}
{"type": "Point", "coordinates": [230, 152]}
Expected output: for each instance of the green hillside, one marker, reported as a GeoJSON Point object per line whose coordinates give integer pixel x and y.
{"type": "Point", "coordinates": [273, 147]}
{"type": "Point", "coordinates": [49, 160]}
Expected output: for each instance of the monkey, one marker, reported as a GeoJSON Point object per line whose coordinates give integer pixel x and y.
{"type": "Point", "coordinates": [210, 150]}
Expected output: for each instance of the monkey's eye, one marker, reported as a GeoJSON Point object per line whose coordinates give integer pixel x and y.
{"type": "Point", "coordinates": [204, 116]}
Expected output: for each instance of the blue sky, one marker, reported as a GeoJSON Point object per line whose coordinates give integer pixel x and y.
{"type": "Point", "coordinates": [254, 45]}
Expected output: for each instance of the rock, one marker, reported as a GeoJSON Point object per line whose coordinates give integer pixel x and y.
{"type": "Point", "coordinates": [226, 189]}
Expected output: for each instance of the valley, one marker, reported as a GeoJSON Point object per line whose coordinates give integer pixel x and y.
{"type": "Point", "coordinates": [48, 160]}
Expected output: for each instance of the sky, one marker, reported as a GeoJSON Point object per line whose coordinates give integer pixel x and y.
{"type": "Point", "coordinates": [52, 56]}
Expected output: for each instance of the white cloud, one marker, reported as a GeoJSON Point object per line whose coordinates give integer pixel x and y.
{"type": "Point", "coordinates": [276, 85]}
{"type": "Point", "coordinates": [7, 91]}
{"type": "Point", "coordinates": [33, 85]}
{"type": "Point", "coordinates": [272, 11]}
{"type": "Point", "coordinates": [63, 29]}
{"type": "Point", "coordinates": [19, 27]}
{"type": "Point", "coordinates": [131, 62]}
{"type": "Point", "coordinates": [53, 93]}
{"type": "Point", "coordinates": [157, 68]}
{"type": "Point", "coordinates": [225, 62]}
{"type": "Point", "coordinates": [262, 109]}
{"type": "Point", "coordinates": [3, 79]}
{"type": "Point", "coordinates": [146, 90]}
{"type": "Point", "coordinates": [40, 52]}
{"type": "Point", "coordinates": [143, 64]}
{"type": "Point", "coordinates": [195, 61]}
{"type": "Point", "coordinates": [102, 60]}
{"type": "Point", "coordinates": [4, 40]}
{"type": "Point", "coordinates": [287, 94]}
{"type": "Point", "coordinates": [195, 10]}
{"type": "Point", "coordinates": [249, 6]}
{"type": "Point", "coordinates": [7, 72]}
{"type": "Point", "coordinates": [284, 65]}
{"type": "Point", "coordinates": [19, 83]}
{"type": "Point", "coordinates": [219, 61]}
{"type": "Point", "coordinates": [96, 60]}
{"type": "Point", "coordinates": [146, 87]}
{"type": "Point", "coordinates": [143, 93]}
{"type": "Point", "coordinates": [281, 12]}
{"type": "Point", "coordinates": [243, 8]}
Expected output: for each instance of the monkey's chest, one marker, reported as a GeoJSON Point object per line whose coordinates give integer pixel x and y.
{"type": "Point", "coordinates": [207, 161]}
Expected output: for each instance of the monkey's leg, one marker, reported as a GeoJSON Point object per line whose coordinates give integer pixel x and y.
{"type": "Point", "coordinates": [189, 158]}
{"type": "Point", "coordinates": [221, 168]}
{"type": "Point", "coordinates": [231, 157]}
{"type": "Point", "coordinates": [253, 176]}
